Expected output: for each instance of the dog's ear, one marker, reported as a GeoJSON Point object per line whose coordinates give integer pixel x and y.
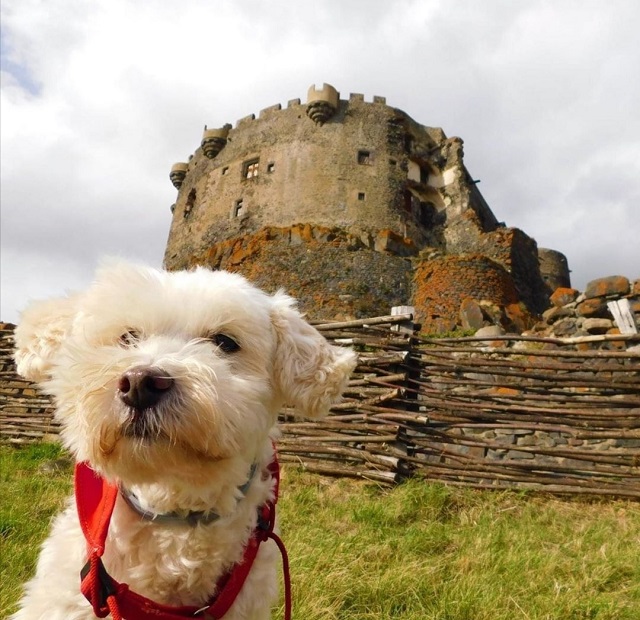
{"type": "Point", "coordinates": [310, 374]}
{"type": "Point", "coordinates": [43, 326]}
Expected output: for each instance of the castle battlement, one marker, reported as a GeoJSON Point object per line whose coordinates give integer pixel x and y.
{"type": "Point", "coordinates": [326, 93]}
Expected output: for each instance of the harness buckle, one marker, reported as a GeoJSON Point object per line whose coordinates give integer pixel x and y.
{"type": "Point", "coordinates": [97, 591]}
{"type": "Point", "coordinates": [266, 519]}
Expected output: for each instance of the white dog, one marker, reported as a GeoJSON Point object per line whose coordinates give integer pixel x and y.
{"type": "Point", "coordinates": [168, 386]}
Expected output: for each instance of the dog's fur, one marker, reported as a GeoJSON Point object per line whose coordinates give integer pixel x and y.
{"type": "Point", "coordinates": [189, 452]}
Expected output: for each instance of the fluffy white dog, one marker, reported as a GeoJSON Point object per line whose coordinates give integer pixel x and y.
{"type": "Point", "coordinates": [168, 385]}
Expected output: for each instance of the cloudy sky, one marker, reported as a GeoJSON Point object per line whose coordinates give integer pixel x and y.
{"type": "Point", "coordinates": [100, 98]}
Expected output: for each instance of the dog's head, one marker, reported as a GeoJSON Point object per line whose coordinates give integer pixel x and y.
{"type": "Point", "coordinates": [153, 370]}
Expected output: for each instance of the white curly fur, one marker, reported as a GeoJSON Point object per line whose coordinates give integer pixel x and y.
{"type": "Point", "coordinates": [200, 439]}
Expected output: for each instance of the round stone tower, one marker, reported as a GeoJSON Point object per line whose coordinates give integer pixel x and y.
{"type": "Point", "coordinates": [329, 200]}
{"type": "Point", "coordinates": [554, 269]}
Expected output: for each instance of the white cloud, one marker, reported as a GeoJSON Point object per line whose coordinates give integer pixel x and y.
{"type": "Point", "coordinates": [99, 99]}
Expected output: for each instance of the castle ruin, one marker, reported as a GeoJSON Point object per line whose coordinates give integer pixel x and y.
{"type": "Point", "coordinates": [353, 207]}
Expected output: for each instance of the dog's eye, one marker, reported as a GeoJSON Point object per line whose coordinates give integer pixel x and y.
{"type": "Point", "coordinates": [224, 342]}
{"type": "Point", "coordinates": [129, 339]}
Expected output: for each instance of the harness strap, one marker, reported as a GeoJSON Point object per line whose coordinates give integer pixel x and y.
{"type": "Point", "coordinates": [95, 500]}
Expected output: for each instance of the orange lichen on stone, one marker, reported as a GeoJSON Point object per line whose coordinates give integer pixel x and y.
{"type": "Point", "coordinates": [563, 296]}
{"type": "Point", "coordinates": [602, 287]}
{"type": "Point", "coordinates": [505, 391]}
{"type": "Point", "coordinates": [444, 285]}
{"type": "Point", "coordinates": [333, 273]}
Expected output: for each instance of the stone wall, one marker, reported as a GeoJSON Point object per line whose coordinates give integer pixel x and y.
{"type": "Point", "coordinates": [464, 291]}
{"type": "Point", "coordinates": [514, 250]}
{"type": "Point", "coordinates": [332, 274]}
{"type": "Point", "coordinates": [25, 413]}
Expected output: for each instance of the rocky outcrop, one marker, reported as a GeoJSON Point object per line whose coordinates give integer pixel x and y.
{"type": "Point", "coordinates": [333, 273]}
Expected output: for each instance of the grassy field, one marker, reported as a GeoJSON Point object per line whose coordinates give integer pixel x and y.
{"type": "Point", "coordinates": [416, 552]}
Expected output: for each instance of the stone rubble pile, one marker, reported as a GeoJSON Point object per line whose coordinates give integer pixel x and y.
{"type": "Point", "coordinates": [574, 314]}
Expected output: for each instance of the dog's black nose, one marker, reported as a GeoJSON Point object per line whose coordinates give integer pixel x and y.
{"type": "Point", "coordinates": [143, 387]}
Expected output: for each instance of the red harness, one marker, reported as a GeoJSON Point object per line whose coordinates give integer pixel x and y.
{"type": "Point", "coordinates": [95, 500]}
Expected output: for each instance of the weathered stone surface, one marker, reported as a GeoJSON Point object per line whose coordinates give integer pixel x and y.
{"type": "Point", "coordinates": [519, 318]}
{"type": "Point", "coordinates": [519, 454]}
{"type": "Point", "coordinates": [597, 326]}
{"type": "Point", "coordinates": [554, 313]}
{"type": "Point", "coordinates": [594, 307]}
{"type": "Point", "coordinates": [471, 316]}
{"type": "Point", "coordinates": [565, 327]}
{"type": "Point", "coordinates": [389, 241]}
{"type": "Point", "coordinates": [603, 287]}
{"type": "Point", "coordinates": [563, 296]}
{"type": "Point", "coordinates": [332, 273]}
{"type": "Point", "coordinates": [490, 331]}
{"type": "Point", "coordinates": [443, 282]}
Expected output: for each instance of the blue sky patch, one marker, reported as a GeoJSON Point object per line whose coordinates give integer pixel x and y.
{"type": "Point", "coordinates": [19, 72]}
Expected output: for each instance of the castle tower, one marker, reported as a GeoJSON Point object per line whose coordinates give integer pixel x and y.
{"type": "Point", "coordinates": [554, 269]}
{"type": "Point", "coordinates": [328, 200]}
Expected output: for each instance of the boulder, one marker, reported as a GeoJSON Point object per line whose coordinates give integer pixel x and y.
{"type": "Point", "coordinates": [471, 316]}
{"type": "Point", "coordinates": [563, 296]}
{"type": "Point", "coordinates": [594, 307]}
{"type": "Point", "coordinates": [597, 326]}
{"type": "Point", "coordinates": [611, 286]}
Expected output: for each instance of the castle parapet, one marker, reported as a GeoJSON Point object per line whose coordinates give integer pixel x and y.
{"type": "Point", "coordinates": [178, 173]}
{"type": "Point", "coordinates": [322, 103]}
{"type": "Point", "coordinates": [214, 140]}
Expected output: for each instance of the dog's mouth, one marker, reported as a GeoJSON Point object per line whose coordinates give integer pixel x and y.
{"type": "Point", "coordinates": [143, 424]}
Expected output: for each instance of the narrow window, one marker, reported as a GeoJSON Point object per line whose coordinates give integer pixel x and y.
{"type": "Point", "coordinates": [408, 198]}
{"type": "Point", "coordinates": [250, 168]}
{"type": "Point", "coordinates": [364, 158]}
{"type": "Point", "coordinates": [360, 195]}
{"type": "Point", "coordinates": [238, 208]}
{"type": "Point", "coordinates": [225, 170]}
{"type": "Point", "coordinates": [427, 214]}
{"type": "Point", "coordinates": [408, 143]}
{"type": "Point", "coordinates": [271, 167]}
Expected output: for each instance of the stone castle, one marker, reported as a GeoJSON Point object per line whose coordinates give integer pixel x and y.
{"type": "Point", "coordinates": [353, 207]}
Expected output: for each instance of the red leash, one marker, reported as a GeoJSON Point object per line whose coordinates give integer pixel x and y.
{"type": "Point", "coordinates": [95, 500]}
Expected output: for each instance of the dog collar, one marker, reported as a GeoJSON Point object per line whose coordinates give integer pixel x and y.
{"type": "Point", "coordinates": [192, 518]}
{"type": "Point", "coordinates": [95, 501]}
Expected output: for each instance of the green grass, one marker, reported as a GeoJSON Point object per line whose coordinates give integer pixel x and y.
{"type": "Point", "coordinates": [416, 552]}
{"type": "Point", "coordinates": [28, 499]}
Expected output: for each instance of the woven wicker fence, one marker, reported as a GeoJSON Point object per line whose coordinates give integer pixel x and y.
{"type": "Point", "coordinates": [513, 412]}
{"type": "Point", "coordinates": [530, 413]}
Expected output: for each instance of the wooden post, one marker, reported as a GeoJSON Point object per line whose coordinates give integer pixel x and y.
{"type": "Point", "coordinates": [406, 327]}
{"type": "Point", "coordinates": [623, 315]}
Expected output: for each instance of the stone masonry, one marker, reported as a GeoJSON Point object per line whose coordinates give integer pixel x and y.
{"type": "Point", "coordinates": [25, 413]}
